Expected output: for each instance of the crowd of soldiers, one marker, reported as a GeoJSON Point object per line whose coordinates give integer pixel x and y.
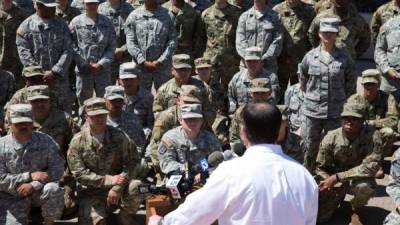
{"type": "Point", "coordinates": [82, 130]}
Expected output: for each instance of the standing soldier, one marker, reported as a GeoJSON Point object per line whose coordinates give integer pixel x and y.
{"type": "Point", "coordinates": [103, 161]}
{"type": "Point", "coordinates": [151, 40]}
{"type": "Point", "coordinates": [220, 21]}
{"type": "Point", "coordinates": [393, 189]}
{"type": "Point", "coordinates": [383, 14]}
{"type": "Point", "coordinates": [30, 168]}
{"type": "Point", "coordinates": [117, 11]}
{"type": "Point", "coordinates": [65, 11]}
{"type": "Point", "coordinates": [260, 26]}
{"type": "Point", "coordinates": [327, 77]}
{"type": "Point", "coordinates": [296, 17]}
{"type": "Point", "coordinates": [94, 46]}
{"type": "Point", "coordinates": [43, 40]}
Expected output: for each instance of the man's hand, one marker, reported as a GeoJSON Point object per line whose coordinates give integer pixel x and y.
{"type": "Point", "coordinates": [42, 177]}
{"type": "Point", "coordinates": [119, 179]}
{"type": "Point", "coordinates": [328, 183]}
{"type": "Point", "coordinates": [157, 64]}
{"type": "Point", "coordinates": [112, 198]}
{"type": "Point", "coordinates": [25, 189]}
{"type": "Point", "coordinates": [49, 77]}
{"type": "Point", "coordinates": [154, 220]}
{"type": "Point", "coordinates": [95, 68]}
{"type": "Point", "coordinates": [118, 54]}
{"type": "Point", "coordinates": [149, 66]}
{"type": "Point", "coordinates": [393, 74]}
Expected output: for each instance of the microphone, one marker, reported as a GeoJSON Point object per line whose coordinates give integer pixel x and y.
{"type": "Point", "coordinates": [215, 158]}
{"type": "Point", "coordinates": [239, 149]}
{"type": "Point", "coordinates": [229, 154]}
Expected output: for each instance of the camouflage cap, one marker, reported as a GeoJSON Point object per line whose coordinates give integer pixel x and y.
{"type": "Point", "coordinates": [128, 70]}
{"type": "Point", "coordinates": [31, 71]}
{"type": "Point", "coordinates": [371, 76]}
{"type": "Point", "coordinates": [190, 93]}
{"type": "Point", "coordinates": [38, 92]}
{"type": "Point", "coordinates": [260, 85]}
{"type": "Point", "coordinates": [95, 106]}
{"type": "Point", "coordinates": [202, 63]}
{"type": "Point", "coordinates": [353, 110]}
{"type": "Point", "coordinates": [181, 61]}
{"type": "Point", "coordinates": [114, 92]}
{"type": "Point", "coordinates": [48, 3]}
{"type": "Point", "coordinates": [20, 113]}
{"type": "Point", "coordinates": [253, 53]}
{"type": "Point", "coordinates": [329, 24]}
{"type": "Point", "coordinates": [191, 111]}
{"type": "Point", "coordinates": [91, 1]}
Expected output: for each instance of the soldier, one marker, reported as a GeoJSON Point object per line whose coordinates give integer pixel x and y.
{"type": "Point", "coordinates": [199, 5]}
{"type": "Point", "coordinates": [31, 165]}
{"type": "Point", "coordinates": [354, 33]}
{"type": "Point", "coordinates": [327, 76]}
{"type": "Point", "coordinates": [220, 21]}
{"type": "Point", "coordinates": [11, 16]}
{"type": "Point", "coordinates": [43, 40]}
{"type": "Point", "coordinates": [393, 189]}
{"type": "Point", "coordinates": [26, 5]}
{"type": "Point", "coordinates": [122, 119]}
{"type": "Point", "coordinates": [151, 41]}
{"type": "Point", "coordinates": [260, 26]}
{"type": "Point", "coordinates": [188, 143]}
{"type": "Point", "coordinates": [94, 46]}
{"type": "Point", "coordinates": [347, 163]}
{"type": "Point", "coordinates": [189, 28]}
{"type": "Point", "coordinates": [296, 17]}
{"type": "Point", "coordinates": [238, 90]}
{"type": "Point", "coordinates": [103, 161]}
{"type": "Point", "coordinates": [79, 5]}
{"type": "Point", "coordinates": [383, 14]}
{"type": "Point", "coordinates": [7, 85]}
{"type": "Point", "coordinates": [387, 57]}
{"type": "Point", "coordinates": [166, 95]}
{"type": "Point", "coordinates": [117, 11]}
{"type": "Point", "coordinates": [137, 100]}
{"type": "Point", "coordinates": [65, 11]}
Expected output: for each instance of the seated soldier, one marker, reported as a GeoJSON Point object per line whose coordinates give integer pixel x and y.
{"type": "Point", "coordinates": [393, 189]}
{"type": "Point", "coordinates": [347, 162]}
{"type": "Point", "coordinates": [31, 165]}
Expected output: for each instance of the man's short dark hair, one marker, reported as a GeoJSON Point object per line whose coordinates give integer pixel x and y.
{"type": "Point", "coordinates": [262, 122]}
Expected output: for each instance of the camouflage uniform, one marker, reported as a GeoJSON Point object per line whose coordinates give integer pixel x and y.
{"type": "Point", "coordinates": [189, 29]}
{"type": "Point", "coordinates": [93, 164]}
{"type": "Point", "coordinates": [79, 5]}
{"type": "Point", "coordinates": [68, 14]}
{"type": "Point", "coordinates": [175, 149]}
{"type": "Point", "coordinates": [151, 36]}
{"type": "Point", "coordinates": [296, 22]}
{"type": "Point", "coordinates": [118, 17]}
{"type": "Point", "coordinates": [7, 87]}
{"type": "Point", "coordinates": [9, 60]}
{"type": "Point", "coordinates": [263, 30]}
{"type": "Point", "coordinates": [26, 5]}
{"type": "Point", "coordinates": [94, 42]}
{"type": "Point", "coordinates": [220, 27]}
{"type": "Point", "coordinates": [244, 5]}
{"type": "Point", "coordinates": [393, 189]}
{"type": "Point", "coordinates": [383, 14]}
{"type": "Point", "coordinates": [199, 5]}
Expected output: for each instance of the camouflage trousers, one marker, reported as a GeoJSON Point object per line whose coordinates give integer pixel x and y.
{"type": "Point", "coordinates": [220, 127]}
{"type": "Point", "coordinates": [312, 132]}
{"type": "Point", "coordinates": [292, 147]}
{"type": "Point", "coordinates": [223, 74]}
{"type": "Point", "coordinates": [389, 136]}
{"type": "Point", "coordinates": [64, 94]}
{"type": "Point", "coordinates": [15, 211]}
{"type": "Point", "coordinates": [362, 190]}
{"type": "Point", "coordinates": [287, 72]}
{"type": "Point", "coordinates": [393, 218]}
{"type": "Point", "coordinates": [93, 208]}
{"type": "Point", "coordinates": [159, 77]}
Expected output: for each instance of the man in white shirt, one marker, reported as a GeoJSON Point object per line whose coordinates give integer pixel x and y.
{"type": "Point", "coordinates": [263, 187]}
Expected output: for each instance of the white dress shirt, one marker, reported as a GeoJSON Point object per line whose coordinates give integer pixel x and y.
{"type": "Point", "coordinates": [263, 187]}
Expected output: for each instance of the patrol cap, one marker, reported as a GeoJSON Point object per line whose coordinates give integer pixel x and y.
{"type": "Point", "coordinates": [253, 53]}
{"type": "Point", "coordinates": [329, 24]}
{"type": "Point", "coordinates": [371, 76]}
{"type": "Point", "coordinates": [181, 61]}
{"type": "Point", "coordinates": [95, 106]}
{"type": "Point", "coordinates": [38, 92]}
{"type": "Point", "coordinates": [190, 93]}
{"type": "Point", "coordinates": [20, 113]}
{"type": "Point", "coordinates": [31, 71]}
{"type": "Point", "coordinates": [48, 3]}
{"type": "Point", "coordinates": [91, 1]}
{"type": "Point", "coordinates": [353, 110]}
{"type": "Point", "coordinates": [260, 85]}
{"type": "Point", "coordinates": [114, 92]}
{"type": "Point", "coordinates": [191, 111]}
{"type": "Point", "coordinates": [128, 70]}
{"type": "Point", "coordinates": [202, 63]}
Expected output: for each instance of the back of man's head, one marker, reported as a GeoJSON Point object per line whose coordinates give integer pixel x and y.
{"type": "Point", "coordinates": [261, 122]}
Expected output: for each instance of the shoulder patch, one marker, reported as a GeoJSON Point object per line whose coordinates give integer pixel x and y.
{"type": "Point", "coordinates": [158, 123]}
{"type": "Point", "coordinates": [162, 149]}
{"type": "Point", "coordinates": [167, 142]}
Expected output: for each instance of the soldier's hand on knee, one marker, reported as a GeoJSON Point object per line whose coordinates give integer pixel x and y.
{"type": "Point", "coordinates": [112, 198]}
{"type": "Point", "coordinates": [42, 177]}
{"type": "Point", "coordinates": [328, 183]}
{"type": "Point", "coordinates": [25, 189]}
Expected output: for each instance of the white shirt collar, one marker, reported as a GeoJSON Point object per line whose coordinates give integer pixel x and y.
{"type": "Point", "coordinates": [268, 148]}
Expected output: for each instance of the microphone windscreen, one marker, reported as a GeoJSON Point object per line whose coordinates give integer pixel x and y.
{"type": "Point", "coordinates": [228, 155]}
{"type": "Point", "coordinates": [239, 149]}
{"type": "Point", "coordinates": [196, 169]}
{"type": "Point", "coordinates": [215, 158]}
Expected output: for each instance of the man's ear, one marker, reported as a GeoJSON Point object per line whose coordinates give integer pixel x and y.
{"type": "Point", "coordinates": [243, 135]}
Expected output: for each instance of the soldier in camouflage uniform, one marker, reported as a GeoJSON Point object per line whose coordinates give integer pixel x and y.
{"type": "Point", "coordinates": [31, 165]}
{"type": "Point", "coordinates": [393, 189]}
{"type": "Point", "coordinates": [383, 14]}
{"type": "Point", "coordinates": [188, 143]}
{"type": "Point", "coordinates": [137, 100]}
{"type": "Point", "coordinates": [347, 163]}
{"type": "Point", "coordinates": [65, 11]}
{"type": "Point", "coordinates": [79, 5]}
{"type": "Point", "coordinates": [104, 162]}
{"type": "Point", "coordinates": [11, 16]}
{"type": "Point", "coordinates": [7, 87]}
{"type": "Point", "coordinates": [260, 26]}
{"type": "Point", "coordinates": [189, 28]}
{"type": "Point", "coordinates": [199, 5]}
{"type": "Point", "coordinates": [94, 46]}
{"type": "Point", "coordinates": [151, 41]}
{"type": "Point", "coordinates": [46, 44]}
{"type": "Point", "coordinates": [238, 90]}
{"type": "Point", "coordinates": [296, 18]}
{"type": "Point", "coordinates": [327, 77]}
{"type": "Point", "coordinates": [220, 21]}
{"type": "Point", "coordinates": [117, 11]}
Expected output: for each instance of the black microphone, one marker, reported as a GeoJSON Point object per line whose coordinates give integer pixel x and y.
{"type": "Point", "coordinates": [239, 149]}
{"type": "Point", "coordinates": [215, 158]}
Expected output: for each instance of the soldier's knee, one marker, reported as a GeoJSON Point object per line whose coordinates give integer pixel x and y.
{"type": "Point", "coordinates": [364, 189]}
